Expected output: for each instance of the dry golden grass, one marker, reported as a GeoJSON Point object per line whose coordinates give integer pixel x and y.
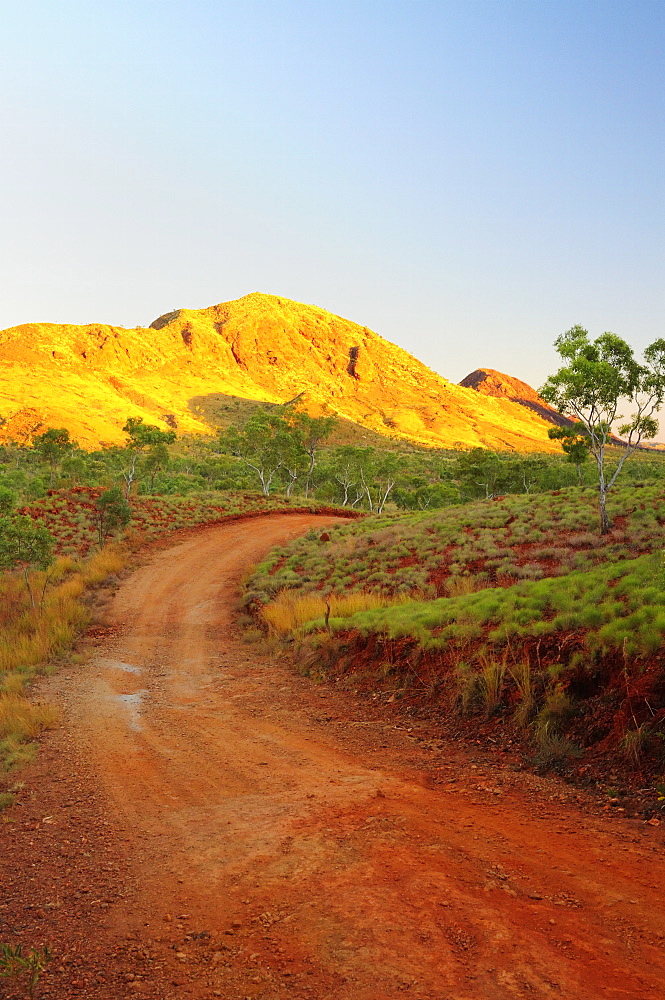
{"type": "Point", "coordinates": [492, 673]}
{"type": "Point", "coordinates": [461, 586]}
{"type": "Point", "coordinates": [103, 564]}
{"type": "Point", "coordinates": [31, 637]}
{"type": "Point", "coordinates": [12, 682]}
{"type": "Point", "coordinates": [521, 674]}
{"type": "Point", "coordinates": [22, 720]}
{"type": "Point", "coordinates": [292, 609]}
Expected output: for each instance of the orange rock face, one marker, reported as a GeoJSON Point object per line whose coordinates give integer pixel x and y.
{"type": "Point", "coordinates": [489, 382]}
{"type": "Point", "coordinates": [262, 347]}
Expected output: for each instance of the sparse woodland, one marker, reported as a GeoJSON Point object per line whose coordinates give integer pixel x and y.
{"type": "Point", "coordinates": [476, 580]}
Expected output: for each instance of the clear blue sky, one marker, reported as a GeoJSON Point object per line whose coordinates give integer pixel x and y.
{"type": "Point", "coordinates": [468, 178]}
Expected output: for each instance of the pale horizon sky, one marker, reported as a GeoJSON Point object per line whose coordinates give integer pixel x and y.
{"type": "Point", "coordinates": [469, 178]}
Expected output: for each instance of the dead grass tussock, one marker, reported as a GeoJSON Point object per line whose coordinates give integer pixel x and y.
{"type": "Point", "coordinates": [552, 746]}
{"type": "Point", "coordinates": [21, 719]}
{"type": "Point", "coordinates": [461, 586]}
{"type": "Point", "coordinates": [246, 576]}
{"type": "Point", "coordinates": [7, 799]}
{"type": "Point", "coordinates": [291, 609]}
{"type": "Point", "coordinates": [521, 675]}
{"type": "Point", "coordinates": [62, 567]}
{"type": "Point", "coordinates": [492, 674]}
{"type": "Point", "coordinates": [634, 742]}
{"type": "Point", "coordinates": [104, 563]}
{"type": "Point", "coordinates": [13, 682]}
{"type": "Point", "coordinates": [468, 689]}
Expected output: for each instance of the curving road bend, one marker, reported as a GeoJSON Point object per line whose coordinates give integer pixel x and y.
{"type": "Point", "coordinates": [288, 842]}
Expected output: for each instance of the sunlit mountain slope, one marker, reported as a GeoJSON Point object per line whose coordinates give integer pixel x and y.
{"type": "Point", "coordinates": [263, 347]}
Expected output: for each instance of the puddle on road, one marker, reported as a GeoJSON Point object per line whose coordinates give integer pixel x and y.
{"type": "Point", "coordinates": [133, 704]}
{"type": "Point", "coordinates": [201, 613]}
{"type": "Point", "coordinates": [128, 668]}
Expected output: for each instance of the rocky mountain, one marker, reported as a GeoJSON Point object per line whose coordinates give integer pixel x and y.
{"type": "Point", "coordinates": [489, 382]}
{"type": "Point", "coordinates": [260, 347]}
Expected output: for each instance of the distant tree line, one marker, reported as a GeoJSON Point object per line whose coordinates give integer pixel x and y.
{"type": "Point", "coordinates": [287, 451]}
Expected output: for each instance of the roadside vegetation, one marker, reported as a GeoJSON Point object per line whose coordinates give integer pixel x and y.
{"type": "Point", "coordinates": [302, 459]}
{"type": "Point", "coordinates": [513, 614]}
{"type": "Point", "coordinates": [33, 637]}
{"type": "Point", "coordinates": [74, 518]}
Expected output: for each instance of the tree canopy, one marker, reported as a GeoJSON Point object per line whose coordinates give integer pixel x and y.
{"type": "Point", "coordinates": [598, 378]}
{"type": "Point", "coordinates": [26, 544]}
{"type": "Point", "coordinates": [52, 446]}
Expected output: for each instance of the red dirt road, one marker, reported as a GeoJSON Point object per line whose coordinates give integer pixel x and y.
{"type": "Point", "coordinates": [248, 833]}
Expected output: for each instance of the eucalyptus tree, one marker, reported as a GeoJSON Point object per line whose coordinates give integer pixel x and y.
{"type": "Point", "coordinates": [144, 440]}
{"type": "Point", "coordinates": [111, 512]}
{"type": "Point", "coordinates": [342, 470]}
{"type": "Point", "coordinates": [25, 544]}
{"type": "Point", "coordinates": [312, 433]}
{"type": "Point", "coordinates": [379, 473]}
{"type": "Point", "coordinates": [576, 444]}
{"type": "Point", "coordinates": [52, 446]}
{"type": "Point", "coordinates": [480, 473]}
{"type": "Point", "coordinates": [265, 444]}
{"type": "Point", "coordinates": [598, 378]}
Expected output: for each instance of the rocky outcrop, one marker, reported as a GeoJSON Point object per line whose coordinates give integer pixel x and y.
{"type": "Point", "coordinates": [489, 382]}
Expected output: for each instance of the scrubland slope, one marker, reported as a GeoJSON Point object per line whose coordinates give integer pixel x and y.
{"type": "Point", "coordinates": [515, 610]}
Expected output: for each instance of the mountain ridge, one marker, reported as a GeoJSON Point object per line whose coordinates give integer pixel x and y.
{"type": "Point", "coordinates": [263, 347]}
{"type": "Point", "coordinates": [489, 382]}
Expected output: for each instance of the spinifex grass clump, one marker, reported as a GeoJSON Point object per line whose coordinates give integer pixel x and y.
{"type": "Point", "coordinates": [521, 675]}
